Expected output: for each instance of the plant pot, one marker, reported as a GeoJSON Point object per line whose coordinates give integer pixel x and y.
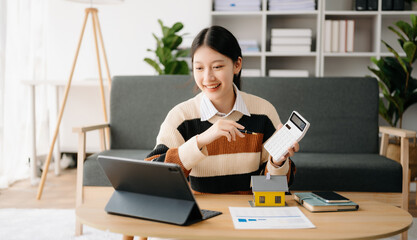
{"type": "Point", "coordinates": [393, 152]}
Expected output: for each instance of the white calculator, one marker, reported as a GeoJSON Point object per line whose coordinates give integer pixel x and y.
{"type": "Point", "coordinates": [292, 131]}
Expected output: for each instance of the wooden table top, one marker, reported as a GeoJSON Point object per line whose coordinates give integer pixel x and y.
{"type": "Point", "coordinates": [373, 220]}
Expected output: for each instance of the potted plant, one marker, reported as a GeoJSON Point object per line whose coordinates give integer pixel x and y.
{"type": "Point", "coordinates": [167, 53]}
{"type": "Point", "coordinates": [398, 87]}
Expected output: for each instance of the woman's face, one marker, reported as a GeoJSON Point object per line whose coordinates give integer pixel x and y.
{"type": "Point", "coordinates": [213, 74]}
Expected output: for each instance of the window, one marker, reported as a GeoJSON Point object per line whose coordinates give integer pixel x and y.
{"type": "Point", "coordinates": [261, 199]}
{"type": "Point", "coordinates": [277, 199]}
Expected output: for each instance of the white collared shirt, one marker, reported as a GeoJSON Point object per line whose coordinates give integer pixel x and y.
{"type": "Point", "coordinates": [208, 110]}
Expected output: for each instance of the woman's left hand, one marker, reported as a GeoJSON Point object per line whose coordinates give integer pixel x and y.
{"type": "Point", "coordinates": [295, 148]}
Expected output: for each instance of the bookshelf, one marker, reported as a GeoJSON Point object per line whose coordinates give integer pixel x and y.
{"type": "Point", "coordinates": [370, 28]}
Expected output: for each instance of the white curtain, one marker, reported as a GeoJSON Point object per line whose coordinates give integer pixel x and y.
{"type": "Point", "coordinates": [22, 57]}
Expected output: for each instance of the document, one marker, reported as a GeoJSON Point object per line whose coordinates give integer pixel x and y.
{"type": "Point", "coordinates": [269, 218]}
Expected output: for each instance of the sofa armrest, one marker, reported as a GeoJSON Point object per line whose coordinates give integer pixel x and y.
{"type": "Point", "coordinates": [90, 128]}
{"type": "Point", "coordinates": [398, 132]}
{"type": "Point", "coordinates": [404, 135]}
{"type": "Point", "coordinates": [81, 155]}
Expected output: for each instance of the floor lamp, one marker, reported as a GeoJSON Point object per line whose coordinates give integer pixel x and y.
{"type": "Point", "coordinates": [97, 35]}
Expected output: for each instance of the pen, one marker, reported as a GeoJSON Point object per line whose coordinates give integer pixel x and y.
{"type": "Point", "coordinates": [247, 132]}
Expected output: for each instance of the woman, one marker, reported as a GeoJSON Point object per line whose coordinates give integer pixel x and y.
{"type": "Point", "coordinates": [217, 137]}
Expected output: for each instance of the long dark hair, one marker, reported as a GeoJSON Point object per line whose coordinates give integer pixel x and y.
{"type": "Point", "coordinates": [221, 40]}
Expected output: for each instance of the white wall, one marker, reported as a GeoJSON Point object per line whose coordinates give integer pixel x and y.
{"type": "Point", "coordinates": [127, 31]}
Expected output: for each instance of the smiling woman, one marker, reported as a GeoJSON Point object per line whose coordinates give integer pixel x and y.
{"type": "Point", "coordinates": [205, 136]}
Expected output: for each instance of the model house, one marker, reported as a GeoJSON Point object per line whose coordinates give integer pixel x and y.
{"type": "Point", "coordinates": [269, 191]}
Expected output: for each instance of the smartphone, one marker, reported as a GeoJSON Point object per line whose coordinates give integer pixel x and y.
{"type": "Point", "coordinates": [331, 197]}
{"type": "Point", "coordinates": [292, 131]}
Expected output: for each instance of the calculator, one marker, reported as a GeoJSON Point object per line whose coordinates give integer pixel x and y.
{"type": "Point", "coordinates": [292, 131]}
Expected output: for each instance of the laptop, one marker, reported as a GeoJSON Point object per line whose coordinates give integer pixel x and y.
{"type": "Point", "coordinates": [151, 190]}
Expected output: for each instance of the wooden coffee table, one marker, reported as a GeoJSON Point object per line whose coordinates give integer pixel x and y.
{"type": "Point", "coordinates": [373, 220]}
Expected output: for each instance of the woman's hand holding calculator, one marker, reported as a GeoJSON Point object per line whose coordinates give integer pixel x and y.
{"type": "Point", "coordinates": [293, 149]}
{"type": "Point", "coordinates": [285, 140]}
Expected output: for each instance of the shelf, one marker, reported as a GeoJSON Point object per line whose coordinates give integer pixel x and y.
{"type": "Point", "coordinates": [290, 54]}
{"type": "Point", "coordinates": [257, 13]}
{"type": "Point", "coordinates": [397, 13]}
{"type": "Point", "coordinates": [284, 13]}
{"type": "Point", "coordinates": [370, 28]}
{"type": "Point", "coordinates": [350, 54]}
{"type": "Point", "coordinates": [390, 54]}
{"type": "Point", "coordinates": [351, 13]}
{"type": "Point", "coordinates": [252, 54]}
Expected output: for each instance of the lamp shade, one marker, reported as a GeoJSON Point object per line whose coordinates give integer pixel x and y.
{"type": "Point", "coordinates": [98, 1]}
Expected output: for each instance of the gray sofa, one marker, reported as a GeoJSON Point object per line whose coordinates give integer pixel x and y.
{"type": "Point", "coordinates": [340, 151]}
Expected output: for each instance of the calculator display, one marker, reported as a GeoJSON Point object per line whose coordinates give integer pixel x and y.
{"type": "Point", "coordinates": [298, 122]}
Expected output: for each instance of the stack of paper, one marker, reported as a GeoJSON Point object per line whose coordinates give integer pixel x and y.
{"type": "Point", "coordinates": [339, 35]}
{"type": "Point", "coordinates": [269, 218]}
{"type": "Point", "coordinates": [287, 73]}
{"type": "Point", "coordinates": [292, 5]}
{"type": "Point", "coordinates": [291, 40]}
{"type": "Point", "coordinates": [237, 5]}
{"type": "Point", "coordinates": [249, 46]}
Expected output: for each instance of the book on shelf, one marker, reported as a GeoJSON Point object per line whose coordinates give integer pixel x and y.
{"type": "Point", "coordinates": [386, 5]}
{"type": "Point", "coordinates": [249, 45]}
{"type": "Point", "coordinates": [291, 32]}
{"type": "Point", "coordinates": [237, 5]}
{"type": "Point", "coordinates": [335, 36]}
{"type": "Point", "coordinates": [339, 35]}
{"type": "Point", "coordinates": [287, 73]}
{"type": "Point", "coordinates": [247, 72]}
{"type": "Point", "coordinates": [327, 35]}
{"type": "Point", "coordinates": [372, 5]}
{"type": "Point", "coordinates": [361, 5]}
{"type": "Point", "coordinates": [291, 48]}
{"type": "Point", "coordinates": [342, 35]}
{"type": "Point", "coordinates": [291, 5]}
{"type": "Point", "coordinates": [314, 204]}
{"type": "Point", "coordinates": [350, 35]}
{"type": "Point", "coordinates": [291, 40]}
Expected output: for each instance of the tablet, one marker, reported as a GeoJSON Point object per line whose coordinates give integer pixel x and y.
{"type": "Point", "coordinates": [151, 190]}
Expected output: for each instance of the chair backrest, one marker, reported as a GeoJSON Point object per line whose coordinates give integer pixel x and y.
{"type": "Point", "coordinates": [343, 112]}
{"type": "Point", "coordinates": [139, 104]}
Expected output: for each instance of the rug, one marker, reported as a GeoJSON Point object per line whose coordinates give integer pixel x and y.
{"type": "Point", "coordinates": [52, 224]}
{"type": "Point", "coordinates": [45, 224]}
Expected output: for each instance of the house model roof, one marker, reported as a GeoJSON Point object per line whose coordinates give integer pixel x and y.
{"type": "Point", "coordinates": [274, 184]}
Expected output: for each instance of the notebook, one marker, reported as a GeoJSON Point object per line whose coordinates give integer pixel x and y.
{"type": "Point", "coordinates": [314, 204]}
{"type": "Point", "coordinates": [151, 190]}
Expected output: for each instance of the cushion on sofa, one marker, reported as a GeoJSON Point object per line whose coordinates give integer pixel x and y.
{"type": "Point", "coordinates": [139, 105]}
{"type": "Point", "coordinates": [94, 174]}
{"type": "Point", "coordinates": [346, 172]}
{"type": "Point", "coordinates": [343, 112]}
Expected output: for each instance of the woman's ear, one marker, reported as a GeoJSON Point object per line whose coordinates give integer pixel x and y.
{"type": "Point", "coordinates": [237, 65]}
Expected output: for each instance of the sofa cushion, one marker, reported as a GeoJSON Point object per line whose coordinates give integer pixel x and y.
{"type": "Point", "coordinates": [94, 174]}
{"type": "Point", "coordinates": [343, 112]}
{"type": "Point", "coordinates": [139, 105]}
{"type": "Point", "coordinates": [346, 172]}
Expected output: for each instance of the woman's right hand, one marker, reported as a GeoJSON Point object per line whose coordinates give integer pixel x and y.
{"type": "Point", "coordinates": [226, 128]}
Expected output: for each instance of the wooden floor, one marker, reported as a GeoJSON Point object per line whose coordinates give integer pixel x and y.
{"type": "Point", "coordinates": [59, 192]}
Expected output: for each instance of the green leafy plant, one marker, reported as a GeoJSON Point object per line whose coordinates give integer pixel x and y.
{"type": "Point", "coordinates": [167, 52]}
{"type": "Point", "coordinates": [398, 87]}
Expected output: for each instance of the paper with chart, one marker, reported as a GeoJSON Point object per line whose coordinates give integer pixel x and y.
{"type": "Point", "coordinates": [269, 218]}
